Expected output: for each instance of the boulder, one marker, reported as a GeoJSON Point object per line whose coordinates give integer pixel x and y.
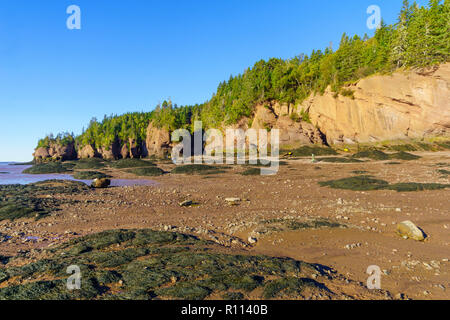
{"type": "Point", "coordinates": [101, 183]}
{"type": "Point", "coordinates": [409, 230]}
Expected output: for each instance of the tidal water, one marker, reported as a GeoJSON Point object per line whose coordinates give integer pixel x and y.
{"type": "Point", "coordinates": [12, 174]}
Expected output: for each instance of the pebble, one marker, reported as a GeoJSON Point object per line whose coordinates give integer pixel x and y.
{"type": "Point", "coordinates": [186, 203]}
{"type": "Point", "coordinates": [252, 240]}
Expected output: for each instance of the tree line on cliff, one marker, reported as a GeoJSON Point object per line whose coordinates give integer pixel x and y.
{"type": "Point", "coordinates": [419, 38]}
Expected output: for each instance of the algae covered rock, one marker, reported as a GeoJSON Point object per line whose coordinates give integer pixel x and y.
{"type": "Point", "coordinates": [101, 183]}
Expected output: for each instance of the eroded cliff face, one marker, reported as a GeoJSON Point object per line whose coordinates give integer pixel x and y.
{"type": "Point", "coordinates": [158, 142]}
{"type": "Point", "coordinates": [293, 131]}
{"type": "Point", "coordinates": [404, 105]}
{"type": "Point", "coordinates": [55, 152]}
{"type": "Point", "coordinates": [118, 150]}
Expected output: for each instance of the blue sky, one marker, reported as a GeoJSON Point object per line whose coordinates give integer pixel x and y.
{"type": "Point", "coordinates": [130, 55]}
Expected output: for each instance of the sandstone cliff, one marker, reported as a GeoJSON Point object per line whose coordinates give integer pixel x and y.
{"type": "Point", "coordinates": [293, 131]}
{"type": "Point", "coordinates": [404, 105]}
{"type": "Point", "coordinates": [158, 142]}
{"type": "Point", "coordinates": [55, 152]}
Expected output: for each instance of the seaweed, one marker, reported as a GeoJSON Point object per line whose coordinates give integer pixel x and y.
{"type": "Point", "coordinates": [90, 175]}
{"type": "Point", "coordinates": [251, 172]}
{"type": "Point", "coordinates": [339, 160]}
{"type": "Point", "coordinates": [358, 183]}
{"type": "Point", "coordinates": [372, 154]}
{"type": "Point", "coordinates": [289, 287]}
{"type": "Point", "coordinates": [50, 167]}
{"type": "Point", "coordinates": [91, 163]}
{"type": "Point", "coordinates": [150, 171]}
{"type": "Point", "coordinates": [131, 163]}
{"type": "Point", "coordinates": [197, 169]}
{"type": "Point", "coordinates": [367, 183]}
{"type": "Point", "coordinates": [380, 155]}
{"type": "Point", "coordinates": [35, 200]}
{"type": "Point", "coordinates": [307, 151]}
{"type": "Point", "coordinates": [148, 264]}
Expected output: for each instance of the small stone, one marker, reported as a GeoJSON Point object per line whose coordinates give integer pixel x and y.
{"type": "Point", "coordinates": [400, 296]}
{"type": "Point", "coordinates": [186, 203]}
{"type": "Point", "coordinates": [252, 240]}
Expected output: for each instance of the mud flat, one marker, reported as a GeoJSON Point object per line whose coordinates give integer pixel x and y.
{"type": "Point", "coordinates": [299, 217]}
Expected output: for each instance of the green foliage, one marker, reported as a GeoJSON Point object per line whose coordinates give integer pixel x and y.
{"type": "Point", "coordinates": [115, 128]}
{"type": "Point", "coordinates": [63, 139]}
{"type": "Point", "coordinates": [347, 93]}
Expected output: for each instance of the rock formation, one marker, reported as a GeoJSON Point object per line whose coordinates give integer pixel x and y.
{"type": "Point", "coordinates": [293, 132]}
{"type": "Point", "coordinates": [158, 141]}
{"type": "Point", "coordinates": [87, 152]}
{"type": "Point", "coordinates": [404, 105]}
{"type": "Point", "coordinates": [55, 152]}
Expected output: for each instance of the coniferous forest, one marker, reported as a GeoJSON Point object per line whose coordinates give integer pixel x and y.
{"type": "Point", "coordinates": [420, 38]}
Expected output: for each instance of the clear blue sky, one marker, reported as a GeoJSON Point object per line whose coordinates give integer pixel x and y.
{"type": "Point", "coordinates": [130, 55]}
